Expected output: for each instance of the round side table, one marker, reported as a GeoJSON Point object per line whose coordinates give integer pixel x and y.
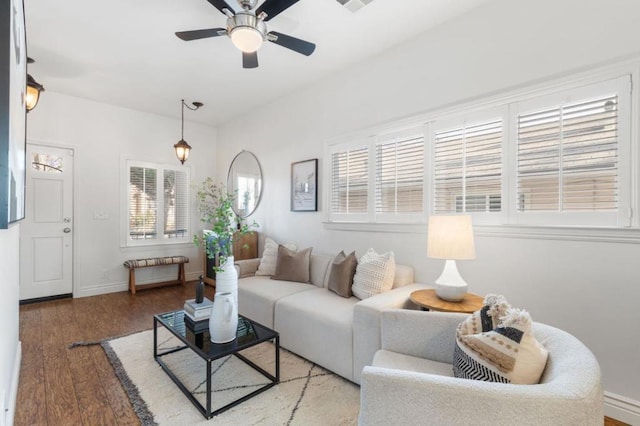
{"type": "Point", "coordinates": [429, 300]}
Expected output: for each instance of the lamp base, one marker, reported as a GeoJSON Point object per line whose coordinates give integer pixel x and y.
{"type": "Point", "coordinates": [450, 286]}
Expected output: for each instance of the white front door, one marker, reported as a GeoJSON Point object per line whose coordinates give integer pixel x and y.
{"type": "Point", "coordinates": [46, 233]}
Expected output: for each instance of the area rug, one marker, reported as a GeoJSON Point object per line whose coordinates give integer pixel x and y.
{"type": "Point", "coordinates": [306, 395]}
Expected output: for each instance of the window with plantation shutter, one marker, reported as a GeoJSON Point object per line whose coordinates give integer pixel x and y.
{"type": "Point", "coordinates": [350, 181]}
{"type": "Point", "coordinates": [176, 203]}
{"type": "Point", "coordinates": [158, 204]}
{"type": "Point", "coordinates": [467, 168]}
{"type": "Point", "coordinates": [568, 154]}
{"type": "Point", "coordinates": [400, 175]}
{"type": "Point", "coordinates": [143, 203]}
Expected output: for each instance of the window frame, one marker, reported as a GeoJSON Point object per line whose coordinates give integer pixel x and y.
{"type": "Point", "coordinates": [371, 142]}
{"type": "Point", "coordinates": [622, 86]}
{"type": "Point", "coordinates": [125, 240]}
{"type": "Point", "coordinates": [473, 117]}
{"type": "Point", "coordinates": [627, 228]}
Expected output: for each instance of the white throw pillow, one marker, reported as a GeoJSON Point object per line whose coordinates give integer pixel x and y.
{"type": "Point", "coordinates": [269, 258]}
{"type": "Point", "coordinates": [374, 274]}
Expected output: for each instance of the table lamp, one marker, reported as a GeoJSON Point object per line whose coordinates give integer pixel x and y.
{"type": "Point", "coordinates": [450, 238]}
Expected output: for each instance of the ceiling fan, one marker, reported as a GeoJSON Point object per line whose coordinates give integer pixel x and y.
{"type": "Point", "coordinates": [248, 30]}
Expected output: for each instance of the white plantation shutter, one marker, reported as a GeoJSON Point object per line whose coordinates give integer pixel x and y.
{"type": "Point", "coordinates": [400, 175]}
{"type": "Point", "coordinates": [176, 203]}
{"type": "Point", "coordinates": [350, 181]}
{"type": "Point", "coordinates": [467, 168]}
{"type": "Point", "coordinates": [158, 204]}
{"type": "Point", "coordinates": [572, 156]}
{"type": "Point", "coordinates": [568, 157]}
{"type": "Point", "coordinates": [143, 197]}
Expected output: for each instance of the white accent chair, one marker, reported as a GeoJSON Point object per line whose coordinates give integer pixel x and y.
{"type": "Point", "coordinates": [411, 380]}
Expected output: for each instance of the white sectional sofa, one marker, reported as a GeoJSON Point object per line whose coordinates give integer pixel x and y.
{"type": "Point", "coordinates": [337, 333]}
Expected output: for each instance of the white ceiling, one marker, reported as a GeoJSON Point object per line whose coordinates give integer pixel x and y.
{"type": "Point", "coordinates": [124, 52]}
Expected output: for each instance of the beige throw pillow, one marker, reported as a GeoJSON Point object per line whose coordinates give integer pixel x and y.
{"type": "Point", "coordinates": [343, 269]}
{"type": "Point", "coordinates": [509, 353]}
{"type": "Point", "coordinates": [374, 274]}
{"type": "Point", "coordinates": [270, 257]}
{"type": "Point", "coordinates": [292, 265]}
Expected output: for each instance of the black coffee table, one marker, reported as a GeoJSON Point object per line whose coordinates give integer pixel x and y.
{"type": "Point", "coordinates": [249, 334]}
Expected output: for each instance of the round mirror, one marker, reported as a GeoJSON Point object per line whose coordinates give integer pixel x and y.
{"type": "Point", "coordinates": [245, 181]}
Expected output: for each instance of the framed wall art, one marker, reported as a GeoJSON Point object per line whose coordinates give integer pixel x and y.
{"type": "Point", "coordinates": [304, 186]}
{"type": "Point", "coordinates": [13, 116]}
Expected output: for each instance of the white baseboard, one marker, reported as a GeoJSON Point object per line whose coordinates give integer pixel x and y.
{"type": "Point", "coordinates": [10, 410]}
{"type": "Point", "coordinates": [622, 408]}
{"type": "Point", "coordinates": [124, 285]}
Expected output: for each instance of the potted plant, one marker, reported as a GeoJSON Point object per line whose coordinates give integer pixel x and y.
{"type": "Point", "coordinates": [215, 207]}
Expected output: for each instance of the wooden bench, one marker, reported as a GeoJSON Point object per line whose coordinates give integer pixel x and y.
{"type": "Point", "coordinates": [134, 264]}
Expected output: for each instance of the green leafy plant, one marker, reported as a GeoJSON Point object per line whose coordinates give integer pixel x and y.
{"type": "Point", "coordinates": [215, 207]}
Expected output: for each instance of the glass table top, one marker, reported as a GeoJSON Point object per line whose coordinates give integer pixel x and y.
{"type": "Point", "coordinates": [249, 333]}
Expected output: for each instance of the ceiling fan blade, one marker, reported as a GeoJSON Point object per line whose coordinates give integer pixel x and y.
{"type": "Point", "coordinates": [292, 43]}
{"type": "Point", "coordinates": [273, 7]}
{"type": "Point", "coordinates": [250, 60]}
{"type": "Point", "coordinates": [221, 5]}
{"type": "Point", "coordinates": [198, 34]}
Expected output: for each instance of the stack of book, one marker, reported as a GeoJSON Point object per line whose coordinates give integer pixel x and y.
{"type": "Point", "coordinates": [196, 315]}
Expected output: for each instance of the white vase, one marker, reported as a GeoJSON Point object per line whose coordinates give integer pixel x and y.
{"type": "Point", "coordinates": [227, 280]}
{"type": "Point", "coordinates": [223, 323]}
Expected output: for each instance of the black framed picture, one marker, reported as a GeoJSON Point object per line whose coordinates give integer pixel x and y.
{"type": "Point", "coordinates": [304, 186]}
{"type": "Point", "coordinates": [13, 124]}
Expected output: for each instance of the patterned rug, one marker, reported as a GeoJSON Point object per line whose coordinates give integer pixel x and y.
{"type": "Point", "coordinates": [307, 394]}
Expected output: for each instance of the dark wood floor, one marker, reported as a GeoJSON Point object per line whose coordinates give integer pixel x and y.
{"type": "Point", "coordinates": [63, 386]}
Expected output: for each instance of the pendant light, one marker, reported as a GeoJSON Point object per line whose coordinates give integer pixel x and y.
{"type": "Point", "coordinates": [33, 90]}
{"type": "Point", "coordinates": [182, 147]}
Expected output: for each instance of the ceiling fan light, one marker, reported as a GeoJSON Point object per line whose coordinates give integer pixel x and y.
{"type": "Point", "coordinates": [247, 39]}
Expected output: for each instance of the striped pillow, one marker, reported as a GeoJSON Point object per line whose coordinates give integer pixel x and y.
{"type": "Point", "coordinates": [509, 353]}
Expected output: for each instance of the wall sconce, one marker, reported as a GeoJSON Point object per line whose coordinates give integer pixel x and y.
{"type": "Point", "coordinates": [182, 147]}
{"type": "Point", "coordinates": [33, 90]}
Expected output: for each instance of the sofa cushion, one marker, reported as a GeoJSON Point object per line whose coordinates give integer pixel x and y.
{"type": "Point", "coordinates": [341, 274]}
{"type": "Point", "coordinates": [317, 325]}
{"type": "Point", "coordinates": [374, 274]}
{"type": "Point", "coordinates": [269, 258]}
{"type": "Point", "coordinates": [292, 265]}
{"type": "Point", "coordinates": [257, 296]}
{"type": "Point", "coordinates": [508, 354]}
{"type": "Point", "coordinates": [398, 361]}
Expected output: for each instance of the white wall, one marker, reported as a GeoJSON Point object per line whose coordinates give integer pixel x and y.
{"type": "Point", "coordinates": [9, 345]}
{"type": "Point", "coordinates": [102, 137]}
{"type": "Point", "coordinates": [588, 288]}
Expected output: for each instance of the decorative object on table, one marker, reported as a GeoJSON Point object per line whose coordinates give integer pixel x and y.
{"type": "Point", "coordinates": [198, 311]}
{"type": "Point", "coordinates": [182, 147]}
{"type": "Point", "coordinates": [227, 279]}
{"type": "Point", "coordinates": [223, 322]}
{"type": "Point", "coordinates": [13, 139]}
{"type": "Point", "coordinates": [214, 205]}
{"type": "Point", "coordinates": [247, 29]}
{"type": "Point", "coordinates": [450, 238]}
{"type": "Point", "coordinates": [304, 186]}
{"type": "Point", "coordinates": [245, 179]}
{"type": "Point", "coordinates": [200, 290]}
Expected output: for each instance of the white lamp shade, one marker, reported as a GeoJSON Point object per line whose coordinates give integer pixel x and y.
{"type": "Point", "coordinates": [246, 39]}
{"type": "Point", "coordinates": [450, 237]}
